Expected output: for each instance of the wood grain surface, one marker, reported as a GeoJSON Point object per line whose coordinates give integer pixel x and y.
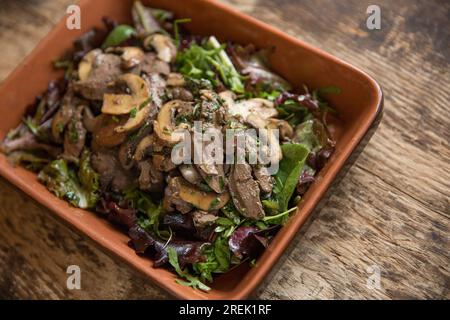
{"type": "Point", "coordinates": [390, 213]}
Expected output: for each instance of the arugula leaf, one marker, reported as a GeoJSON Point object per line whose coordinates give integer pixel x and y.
{"type": "Point", "coordinates": [206, 269]}
{"type": "Point", "coordinates": [231, 213]}
{"type": "Point", "coordinates": [226, 68]}
{"type": "Point", "coordinates": [209, 62]}
{"type": "Point", "coordinates": [222, 253]}
{"type": "Point", "coordinates": [192, 281]}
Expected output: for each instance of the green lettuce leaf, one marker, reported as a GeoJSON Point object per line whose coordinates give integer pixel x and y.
{"type": "Point", "coordinates": [63, 182]}
{"type": "Point", "coordinates": [294, 157]}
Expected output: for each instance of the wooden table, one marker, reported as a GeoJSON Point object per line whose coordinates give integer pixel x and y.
{"type": "Point", "coordinates": [391, 213]}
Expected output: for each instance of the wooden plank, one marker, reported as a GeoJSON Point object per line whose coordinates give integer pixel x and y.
{"type": "Point", "coordinates": [392, 210]}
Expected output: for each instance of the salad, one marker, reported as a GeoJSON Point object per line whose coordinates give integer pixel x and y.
{"type": "Point", "coordinates": [123, 134]}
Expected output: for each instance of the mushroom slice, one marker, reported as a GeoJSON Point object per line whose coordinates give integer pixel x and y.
{"type": "Point", "coordinates": [272, 149]}
{"type": "Point", "coordinates": [228, 96]}
{"type": "Point", "coordinates": [163, 45]}
{"type": "Point", "coordinates": [262, 107]}
{"type": "Point", "coordinates": [135, 122]}
{"type": "Point", "coordinates": [144, 145]}
{"type": "Point", "coordinates": [85, 66]}
{"type": "Point", "coordinates": [175, 80]}
{"type": "Point", "coordinates": [191, 174]}
{"type": "Point", "coordinates": [206, 201]}
{"type": "Point", "coordinates": [164, 126]}
{"type": "Point", "coordinates": [256, 121]}
{"type": "Point", "coordinates": [119, 104]}
{"type": "Point", "coordinates": [131, 56]}
{"type": "Point", "coordinates": [286, 131]}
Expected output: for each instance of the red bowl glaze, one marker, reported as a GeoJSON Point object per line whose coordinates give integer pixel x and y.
{"type": "Point", "coordinates": [359, 106]}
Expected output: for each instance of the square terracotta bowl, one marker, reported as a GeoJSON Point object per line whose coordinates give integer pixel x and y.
{"type": "Point", "coordinates": [359, 107]}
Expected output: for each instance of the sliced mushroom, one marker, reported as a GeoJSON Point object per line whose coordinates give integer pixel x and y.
{"type": "Point", "coordinates": [135, 122]}
{"type": "Point", "coordinates": [256, 121]}
{"type": "Point", "coordinates": [163, 45]}
{"type": "Point", "coordinates": [272, 149]}
{"type": "Point", "coordinates": [262, 107]}
{"type": "Point", "coordinates": [152, 65]}
{"type": "Point", "coordinates": [164, 126]}
{"type": "Point", "coordinates": [131, 56]}
{"type": "Point", "coordinates": [175, 80]}
{"type": "Point", "coordinates": [85, 66]}
{"type": "Point", "coordinates": [206, 201]}
{"type": "Point", "coordinates": [245, 192]}
{"type": "Point", "coordinates": [285, 129]}
{"type": "Point", "coordinates": [119, 104]}
{"type": "Point", "coordinates": [191, 174]}
{"type": "Point", "coordinates": [142, 148]}
{"type": "Point", "coordinates": [228, 96]}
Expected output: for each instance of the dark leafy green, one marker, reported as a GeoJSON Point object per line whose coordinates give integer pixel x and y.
{"type": "Point", "coordinates": [63, 182]}
{"type": "Point", "coordinates": [89, 179]}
